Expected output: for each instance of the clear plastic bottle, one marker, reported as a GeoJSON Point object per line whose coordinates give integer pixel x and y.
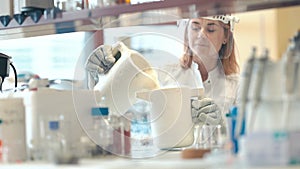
{"type": "Point", "coordinates": [102, 128]}
{"type": "Point", "coordinates": [56, 146]}
{"type": "Point", "coordinates": [142, 142]}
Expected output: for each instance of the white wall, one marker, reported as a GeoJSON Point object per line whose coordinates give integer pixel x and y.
{"type": "Point", "coordinates": [269, 29]}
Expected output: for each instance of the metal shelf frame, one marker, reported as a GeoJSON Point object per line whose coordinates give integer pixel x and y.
{"type": "Point", "coordinates": [84, 20]}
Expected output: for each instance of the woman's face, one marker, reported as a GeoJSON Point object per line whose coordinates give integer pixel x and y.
{"type": "Point", "coordinates": [205, 37]}
{"type": "Point", "coordinates": [212, 29]}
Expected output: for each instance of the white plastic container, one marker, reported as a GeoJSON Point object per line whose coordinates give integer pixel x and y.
{"type": "Point", "coordinates": [131, 73]}
{"type": "Point", "coordinates": [171, 119]}
{"type": "Point", "coordinates": [12, 130]}
{"type": "Point", "coordinates": [6, 7]}
{"type": "Point", "coordinates": [47, 104]}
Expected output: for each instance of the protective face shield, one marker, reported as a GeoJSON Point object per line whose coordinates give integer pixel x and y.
{"type": "Point", "coordinates": [205, 39]}
{"type": "Point", "coordinates": [210, 38]}
{"type": "Point", "coordinates": [229, 22]}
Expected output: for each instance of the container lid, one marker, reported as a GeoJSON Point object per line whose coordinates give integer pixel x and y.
{"type": "Point", "coordinates": [100, 111]}
{"type": "Point", "coordinates": [11, 101]}
{"type": "Point", "coordinates": [53, 125]}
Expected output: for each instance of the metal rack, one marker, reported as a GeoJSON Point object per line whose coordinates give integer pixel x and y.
{"type": "Point", "coordinates": [89, 20]}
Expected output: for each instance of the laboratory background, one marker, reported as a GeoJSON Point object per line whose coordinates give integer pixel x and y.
{"type": "Point", "coordinates": [49, 117]}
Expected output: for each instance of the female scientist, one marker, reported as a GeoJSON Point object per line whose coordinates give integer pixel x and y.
{"type": "Point", "coordinates": [209, 59]}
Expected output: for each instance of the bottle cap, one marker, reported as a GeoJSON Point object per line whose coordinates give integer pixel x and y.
{"type": "Point", "coordinates": [53, 125]}
{"type": "Point", "coordinates": [100, 111]}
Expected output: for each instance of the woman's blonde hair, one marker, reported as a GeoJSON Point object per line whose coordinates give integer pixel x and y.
{"type": "Point", "coordinates": [226, 54]}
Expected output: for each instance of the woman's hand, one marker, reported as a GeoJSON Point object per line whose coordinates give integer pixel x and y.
{"type": "Point", "coordinates": [101, 61]}
{"type": "Point", "coordinates": [206, 111]}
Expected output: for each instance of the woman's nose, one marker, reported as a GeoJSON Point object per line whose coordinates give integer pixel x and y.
{"type": "Point", "coordinates": [201, 34]}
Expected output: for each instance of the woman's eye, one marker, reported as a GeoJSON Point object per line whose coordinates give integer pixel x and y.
{"type": "Point", "coordinates": [195, 28]}
{"type": "Point", "coordinates": [211, 30]}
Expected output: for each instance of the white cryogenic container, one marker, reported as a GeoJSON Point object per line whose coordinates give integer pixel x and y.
{"type": "Point", "coordinates": [46, 105]}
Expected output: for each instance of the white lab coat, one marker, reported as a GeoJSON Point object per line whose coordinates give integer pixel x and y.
{"type": "Point", "coordinates": [218, 86]}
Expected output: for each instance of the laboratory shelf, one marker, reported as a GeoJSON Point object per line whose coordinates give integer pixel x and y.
{"type": "Point", "coordinates": [99, 18]}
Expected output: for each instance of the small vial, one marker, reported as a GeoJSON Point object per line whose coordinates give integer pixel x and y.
{"type": "Point", "coordinates": [121, 135]}
{"type": "Point", "coordinates": [211, 137]}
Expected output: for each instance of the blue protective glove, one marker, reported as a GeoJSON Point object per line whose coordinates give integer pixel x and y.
{"type": "Point", "coordinates": [206, 111]}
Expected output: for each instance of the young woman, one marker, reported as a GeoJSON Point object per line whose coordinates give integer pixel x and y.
{"type": "Point", "coordinates": [209, 59]}
{"type": "Point", "coordinates": [210, 48]}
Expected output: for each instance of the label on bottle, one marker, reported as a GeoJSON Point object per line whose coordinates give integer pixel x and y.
{"type": "Point", "coordinates": [1, 151]}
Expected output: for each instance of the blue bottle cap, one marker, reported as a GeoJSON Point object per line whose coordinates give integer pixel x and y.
{"type": "Point", "coordinates": [53, 125]}
{"type": "Point", "coordinates": [100, 111]}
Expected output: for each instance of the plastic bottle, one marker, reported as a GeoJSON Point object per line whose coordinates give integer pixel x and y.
{"type": "Point", "coordinates": [141, 142]}
{"type": "Point", "coordinates": [102, 128]}
{"type": "Point", "coordinates": [56, 146]}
